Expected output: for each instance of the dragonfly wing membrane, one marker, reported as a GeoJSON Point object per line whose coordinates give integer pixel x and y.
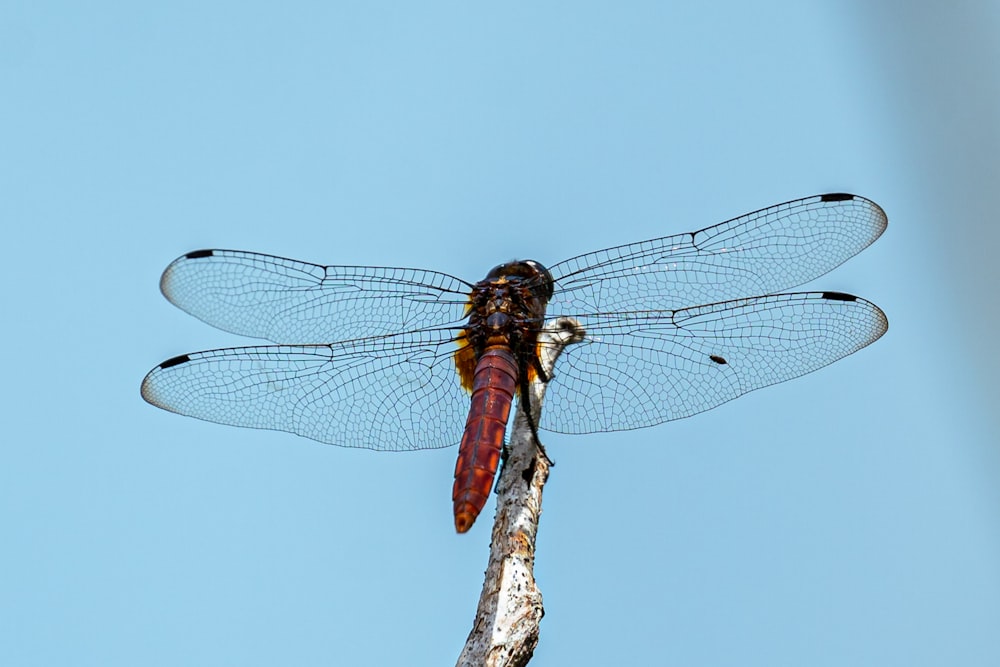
{"type": "Point", "coordinates": [392, 393]}
{"type": "Point", "coordinates": [763, 252]}
{"type": "Point", "coordinates": [645, 368]}
{"type": "Point", "coordinates": [287, 301]}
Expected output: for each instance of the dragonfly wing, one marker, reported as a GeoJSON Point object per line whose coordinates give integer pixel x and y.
{"type": "Point", "coordinates": [645, 368]}
{"type": "Point", "coordinates": [763, 252]}
{"type": "Point", "coordinates": [288, 301]}
{"type": "Point", "coordinates": [391, 393]}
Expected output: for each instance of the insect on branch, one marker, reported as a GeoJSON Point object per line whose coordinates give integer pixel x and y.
{"type": "Point", "coordinates": [506, 628]}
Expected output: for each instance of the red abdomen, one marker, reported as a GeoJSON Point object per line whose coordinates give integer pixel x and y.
{"type": "Point", "coordinates": [493, 386]}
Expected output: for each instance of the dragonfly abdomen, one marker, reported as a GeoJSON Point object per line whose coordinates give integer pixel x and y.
{"type": "Point", "coordinates": [493, 387]}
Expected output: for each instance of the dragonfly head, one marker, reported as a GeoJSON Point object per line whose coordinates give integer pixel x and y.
{"type": "Point", "coordinates": [527, 271]}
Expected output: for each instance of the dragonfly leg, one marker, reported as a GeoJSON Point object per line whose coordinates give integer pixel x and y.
{"type": "Point", "coordinates": [537, 364]}
{"type": "Point", "coordinates": [529, 411]}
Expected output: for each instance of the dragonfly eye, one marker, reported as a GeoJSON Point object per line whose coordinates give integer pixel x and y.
{"type": "Point", "coordinates": [544, 275]}
{"type": "Point", "coordinates": [527, 270]}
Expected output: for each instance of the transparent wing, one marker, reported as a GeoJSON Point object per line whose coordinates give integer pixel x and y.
{"type": "Point", "coordinates": [764, 252]}
{"type": "Point", "coordinates": [390, 393]}
{"type": "Point", "coordinates": [287, 301]}
{"type": "Point", "coordinates": [640, 369]}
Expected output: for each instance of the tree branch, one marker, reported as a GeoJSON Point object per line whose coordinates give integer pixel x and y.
{"type": "Point", "coordinates": [505, 631]}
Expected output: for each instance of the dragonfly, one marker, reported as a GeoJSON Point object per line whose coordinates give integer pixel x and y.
{"type": "Point", "coordinates": [399, 359]}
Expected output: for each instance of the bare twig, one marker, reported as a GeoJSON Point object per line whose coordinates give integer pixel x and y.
{"type": "Point", "coordinates": [505, 632]}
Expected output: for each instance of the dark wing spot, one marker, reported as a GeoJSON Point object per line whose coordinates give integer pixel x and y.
{"type": "Point", "coordinates": [839, 296]}
{"type": "Point", "coordinates": [198, 254]}
{"type": "Point", "coordinates": [837, 196]}
{"type": "Point", "coordinates": [176, 361]}
{"type": "Point", "coordinates": [717, 359]}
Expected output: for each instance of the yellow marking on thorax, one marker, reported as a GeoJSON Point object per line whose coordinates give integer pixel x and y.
{"type": "Point", "coordinates": [465, 356]}
{"type": "Point", "coordinates": [465, 361]}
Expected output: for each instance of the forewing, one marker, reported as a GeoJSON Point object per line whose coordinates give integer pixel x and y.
{"type": "Point", "coordinates": [391, 393]}
{"type": "Point", "coordinates": [287, 301]}
{"type": "Point", "coordinates": [640, 369]}
{"type": "Point", "coordinates": [763, 252]}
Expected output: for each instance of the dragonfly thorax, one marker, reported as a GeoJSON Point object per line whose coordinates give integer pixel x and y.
{"type": "Point", "coordinates": [508, 306]}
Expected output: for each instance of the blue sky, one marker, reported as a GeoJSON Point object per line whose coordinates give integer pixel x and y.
{"type": "Point", "coordinates": [848, 517]}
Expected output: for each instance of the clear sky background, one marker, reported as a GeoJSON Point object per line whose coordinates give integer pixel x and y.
{"type": "Point", "coordinates": [848, 517]}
